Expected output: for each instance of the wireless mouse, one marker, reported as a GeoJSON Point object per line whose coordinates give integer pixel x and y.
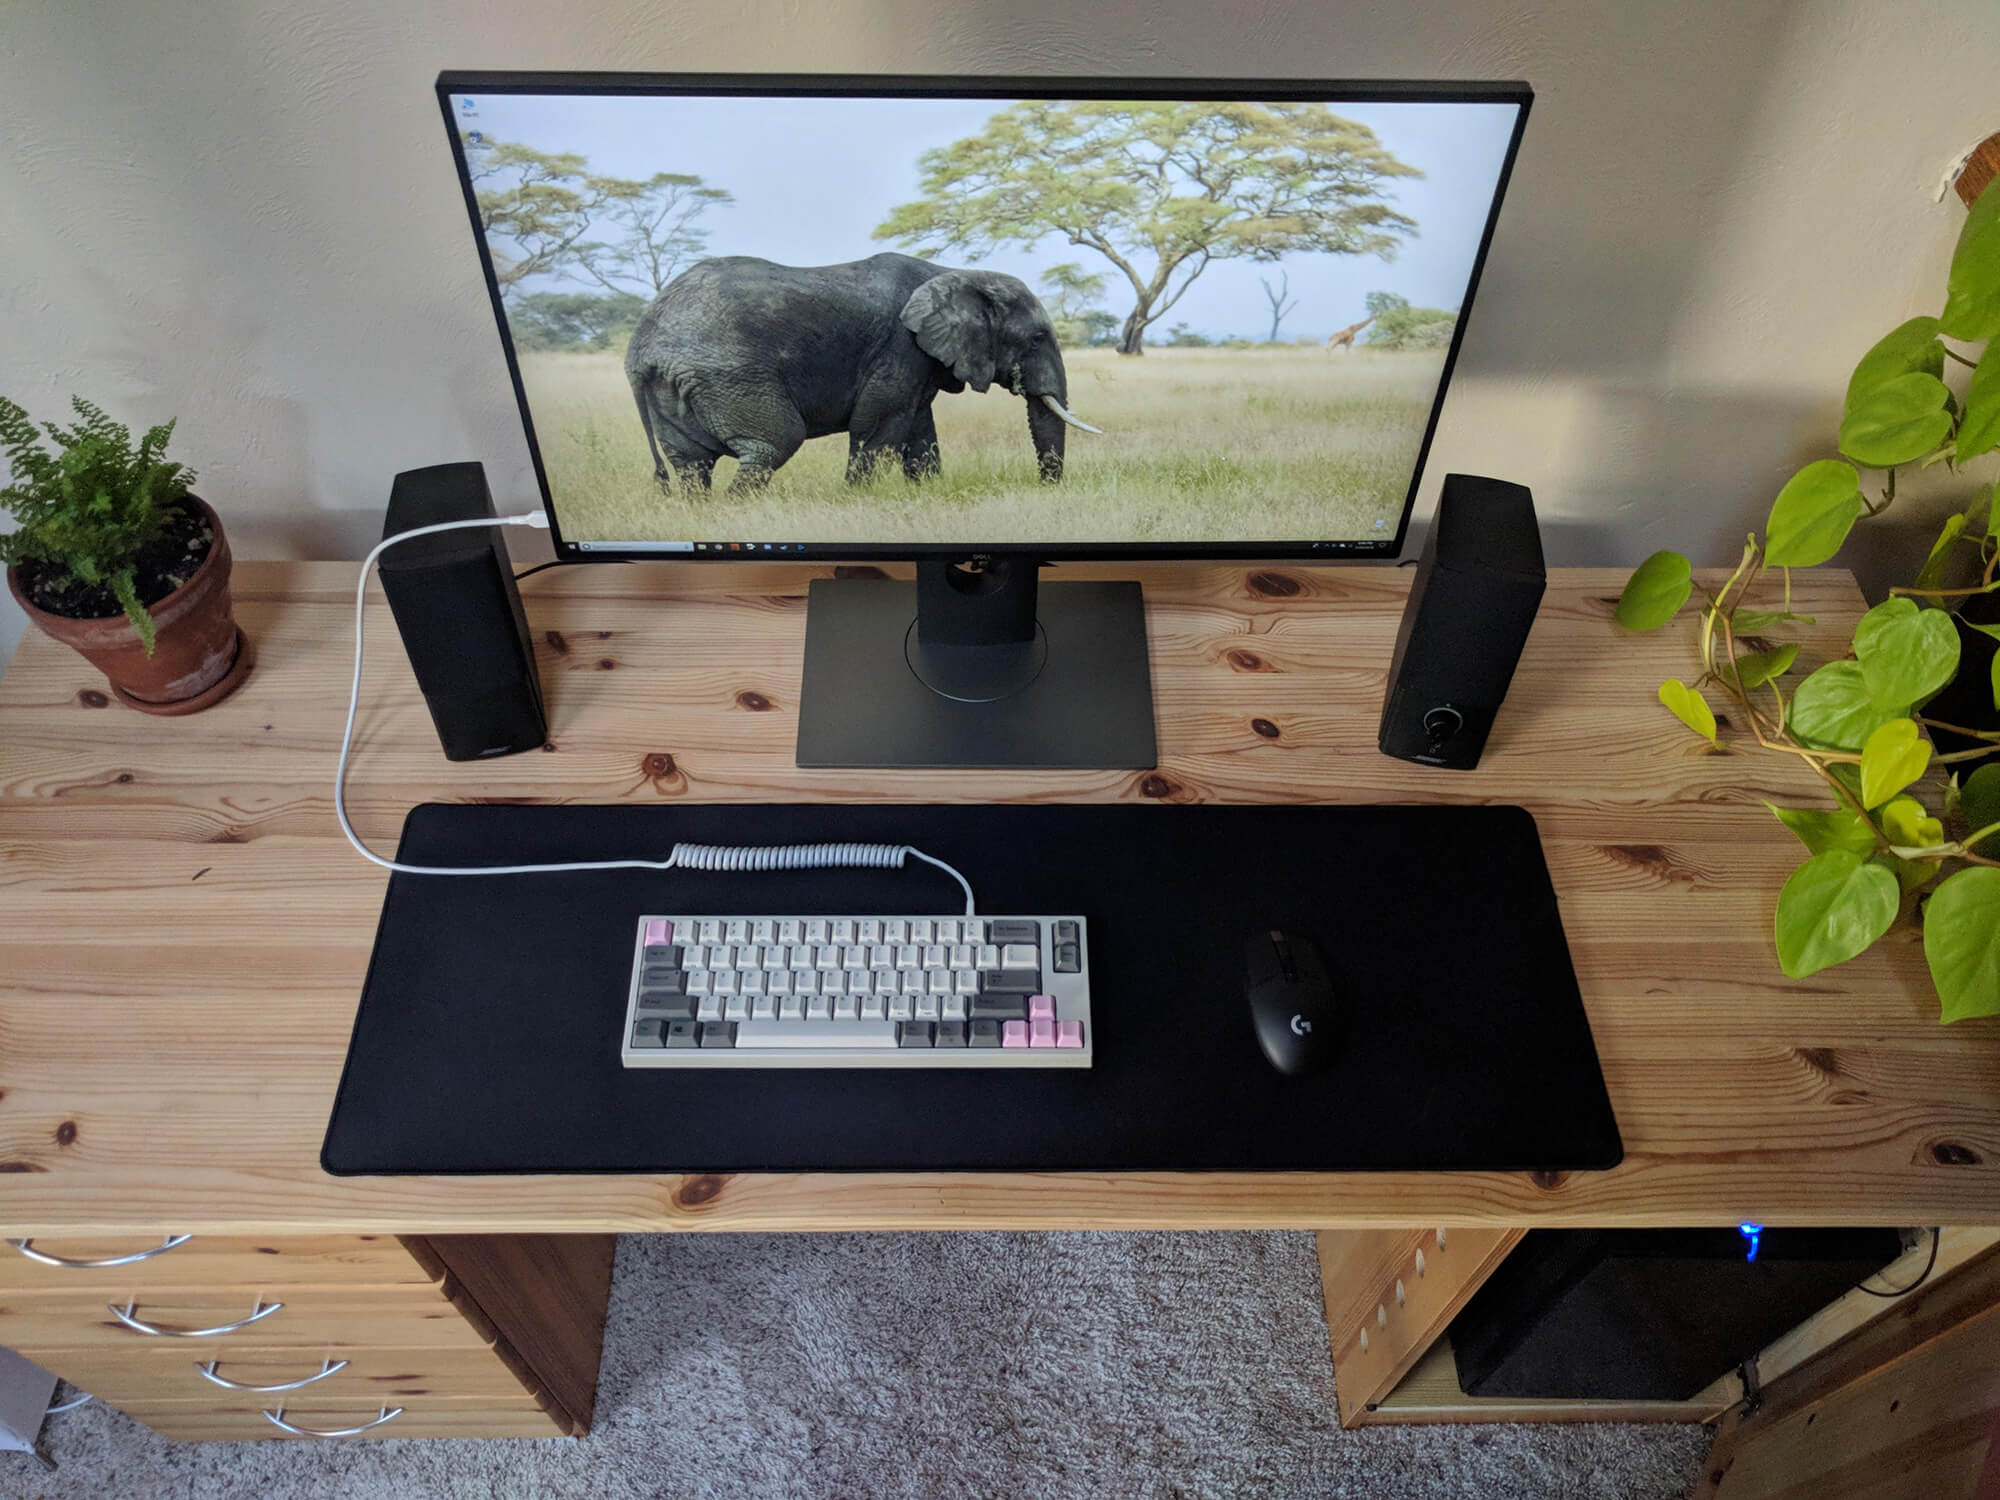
{"type": "Point", "coordinates": [1293, 1003]}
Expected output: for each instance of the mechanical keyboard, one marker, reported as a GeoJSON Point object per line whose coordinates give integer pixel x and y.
{"type": "Point", "coordinates": [858, 992]}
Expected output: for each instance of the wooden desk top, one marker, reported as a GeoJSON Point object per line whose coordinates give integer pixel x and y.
{"type": "Point", "coordinates": [183, 933]}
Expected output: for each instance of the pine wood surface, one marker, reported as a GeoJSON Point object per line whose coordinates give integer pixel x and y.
{"type": "Point", "coordinates": [183, 934]}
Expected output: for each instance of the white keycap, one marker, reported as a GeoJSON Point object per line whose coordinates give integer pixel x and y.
{"type": "Point", "coordinates": [737, 931]}
{"type": "Point", "coordinates": [1019, 956]}
{"type": "Point", "coordinates": [961, 956]}
{"type": "Point", "coordinates": [881, 956]}
{"type": "Point", "coordinates": [805, 981]}
{"type": "Point", "coordinates": [965, 982]}
{"type": "Point", "coordinates": [859, 1034]}
{"type": "Point", "coordinates": [853, 956]}
{"type": "Point", "coordinates": [801, 955]}
{"type": "Point", "coordinates": [736, 1008]}
{"type": "Point", "coordinates": [719, 956]}
{"type": "Point", "coordinates": [710, 932]}
{"type": "Point", "coordinates": [710, 1008]}
{"type": "Point", "coordinates": [780, 982]}
{"type": "Point", "coordinates": [952, 1007]}
{"type": "Point", "coordinates": [752, 982]}
{"type": "Point", "coordinates": [934, 956]}
{"type": "Point", "coordinates": [843, 930]}
{"type": "Point", "coordinates": [847, 1008]}
{"type": "Point", "coordinates": [899, 1007]}
{"type": "Point", "coordinates": [896, 930]}
{"type": "Point", "coordinates": [859, 982]}
{"type": "Point", "coordinates": [870, 931]}
{"type": "Point", "coordinates": [764, 932]}
{"type": "Point", "coordinates": [937, 982]}
{"type": "Point", "coordinates": [777, 956]}
{"type": "Point", "coordinates": [927, 1007]}
{"type": "Point", "coordinates": [913, 981]}
{"type": "Point", "coordinates": [885, 981]}
{"type": "Point", "coordinates": [699, 982]}
{"type": "Point", "coordinates": [725, 983]}
{"type": "Point", "coordinates": [792, 1008]}
{"type": "Point", "coordinates": [694, 958]}
{"type": "Point", "coordinates": [819, 1008]}
{"type": "Point", "coordinates": [788, 932]}
{"type": "Point", "coordinates": [747, 956]}
{"type": "Point", "coordinates": [988, 957]}
{"type": "Point", "coordinates": [909, 956]}
{"type": "Point", "coordinates": [826, 956]}
{"type": "Point", "coordinates": [874, 1007]}
{"type": "Point", "coordinates": [972, 930]}
{"type": "Point", "coordinates": [947, 930]}
{"type": "Point", "coordinates": [764, 1008]}
{"type": "Point", "coordinates": [924, 930]}
{"type": "Point", "coordinates": [816, 930]}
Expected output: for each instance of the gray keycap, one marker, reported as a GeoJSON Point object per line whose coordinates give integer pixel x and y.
{"type": "Point", "coordinates": [951, 1033]}
{"type": "Point", "coordinates": [667, 1007]}
{"type": "Point", "coordinates": [682, 1034]}
{"type": "Point", "coordinates": [998, 1007]}
{"type": "Point", "coordinates": [718, 1033]}
{"type": "Point", "coordinates": [1069, 958]}
{"type": "Point", "coordinates": [913, 1033]}
{"type": "Point", "coordinates": [647, 1034]}
{"type": "Point", "coordinates": [984, 1033]}
{"type": "Point", "coordinates": [1013, 931]}
{"type": "Point", "coordinates": [1010, 982]}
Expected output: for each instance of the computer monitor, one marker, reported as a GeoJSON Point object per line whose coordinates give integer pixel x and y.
{"type": "Point", "coordinates": [980, 324]}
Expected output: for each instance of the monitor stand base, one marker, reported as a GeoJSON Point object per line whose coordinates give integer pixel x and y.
{"type": "Point", "coordinates": [1078, 694]}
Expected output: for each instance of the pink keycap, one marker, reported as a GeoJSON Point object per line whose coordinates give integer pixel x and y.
{"type": "Point", "coordinates": [1041, 1031]}
{"type": "Point", "coordinates": [1069, 1034]}
{"type": "Point", "coordinates": [659, 931]}
{"type": "Point", "coordinates": [1041, 1007]}
{"type": "Point", "coordinates": [1013, 1033]}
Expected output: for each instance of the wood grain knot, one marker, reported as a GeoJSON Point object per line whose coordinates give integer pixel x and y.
{"type": "Point", "coordinates": [757, 703]}
{"type": "Point", "coordinates": [1822, 1060]}
{"type": "Point", "coordinates": [694, 1192]}
{"type": "Point", "coordinates": [659, 763]}
{"type": "Point", "coordinates": [548, 747]}
{"type": "Point", "coordinates": [1246, 661]}
{"type": "Point", "coordinates": [123, 778]}
{"type": "Point", "coordinates": [859, 570]}
{"type": "Point", "coordinates": [1265, 727]}
{"type": "Point", "coordinates": [1651, 859]}
{"type": "Point", "coordinates": [228, 836]}
{"type": "Point", "coordinates": [1549, 1181]}
{"type": "Point", "coordinates": [1952, 1154]}
{"type": "Point", "coordinates": [604, 635]}
{"type": "Point", "coordinates": [1274, 585]}
{"type": "Point", "coordinates": [1157, 786]}
{"type": "Point", "coordinates": [22, 1166]}
{"type": "Point", "coordinates": [91, 698]}
{"type": "Point", "coordinates": [66, 1133]}
{"type": "Point", "coordinates": [558, 642]}
{"type": "Point", "coordinates": [605, 664]}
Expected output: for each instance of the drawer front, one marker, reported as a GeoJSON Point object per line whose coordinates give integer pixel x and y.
{"type": "Point", "coordinates": [210, 1260]}
{"type": "Point", "coordinates": [405, 1317]}
{"type": "Point", "coordinates": [130, 1377]}
{"type": "Point", "coordinates": [437, 1418]}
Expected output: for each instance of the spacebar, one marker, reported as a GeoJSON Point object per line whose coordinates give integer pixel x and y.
{"type": "Point", "coordinates": [834, 1035]}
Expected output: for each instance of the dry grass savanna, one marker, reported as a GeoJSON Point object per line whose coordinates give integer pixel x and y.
{"type": "Point", "coordinates": [1265, 443]}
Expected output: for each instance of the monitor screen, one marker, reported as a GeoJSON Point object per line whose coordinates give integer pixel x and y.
{"type": "Point", "coordinates": [896, 317]}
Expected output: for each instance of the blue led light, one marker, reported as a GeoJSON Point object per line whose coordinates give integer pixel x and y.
{"type": "Point", "coordinates": [1752, 1233]}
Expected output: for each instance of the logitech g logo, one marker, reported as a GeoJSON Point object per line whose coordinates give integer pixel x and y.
{"type": "Point", "coordinates": [1301, 1026]}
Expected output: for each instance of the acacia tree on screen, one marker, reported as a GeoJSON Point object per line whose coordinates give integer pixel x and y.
{"type": "Point", "coordinates": [1159, 188]}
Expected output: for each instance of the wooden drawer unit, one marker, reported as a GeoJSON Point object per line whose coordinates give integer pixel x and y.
{"type": "Point", "coordinates": [440, 1419]}
{"type": "Point", "coordinates": [118, 1264]}
{"type": "Point", "coordinates": [311, 1317]}
{"type": "Point", "coordinates": [345, 1374]}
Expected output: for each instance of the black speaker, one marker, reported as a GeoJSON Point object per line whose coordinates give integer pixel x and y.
{"type": "Point", "coordinates": [459, 613]}
{"type": "Point", "coordinates": [1649, 1314]}
{"type": "Point", "coordinates": [1477, 587]}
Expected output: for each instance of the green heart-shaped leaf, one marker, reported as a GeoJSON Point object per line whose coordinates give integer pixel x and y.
{"type": "Point", "coordinates": [1962, 942]}
{"type": "Point", "coordinates": [1912, 347]}
{"type": "Point", "coordinates": [1979, 800]}
{"type": "Point", "coordinates": [1831, 710]}
{"type": "Point", "coordinates": [1895, 755]}
{"type": "Point", "coordinates": [1756, 668]}
{"type": "Point", "coordinates": [1931, 575]}
{"type": "Point", "coordinates": [1979, 428]}
{"type": "Point", "coordinates": [1749, 621]}
{"type": "Point", "coordinates": [1911, 874]}
{"type": "Point", "coordinates": [1689, 707]}
{"type": "Point", "coordinates": [1655, 592]}
{"type": "Point", "coordinates": [1972, 291]}
{"type": "Point", "coordinates": [1906, 653]}
{"type": "Point", "coordinates": [1909, 826]}
{"type": "Point", "coordinates": [1897, 422]}
{"type": "Point", "coordinates": [1821, 831]}
{"type": "Point", "coordinates": [1812, 515]}
{"type": "Point", "coordinates": [1832, 908]}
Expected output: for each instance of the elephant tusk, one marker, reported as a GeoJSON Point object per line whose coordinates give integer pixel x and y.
{"type": "Point", "coordinates": [1077, 422]}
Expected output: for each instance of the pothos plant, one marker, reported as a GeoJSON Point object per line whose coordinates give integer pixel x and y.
{"type": "Point", "coordinates": [1860, 722]}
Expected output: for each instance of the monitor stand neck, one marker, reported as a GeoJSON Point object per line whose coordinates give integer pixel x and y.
{"type": "Point", "coordinates": [976, 665]}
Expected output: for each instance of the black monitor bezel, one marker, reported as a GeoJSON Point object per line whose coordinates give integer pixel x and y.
{"type": "Point", "coordinates": [842, 85]}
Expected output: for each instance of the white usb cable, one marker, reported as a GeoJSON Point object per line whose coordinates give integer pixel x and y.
{"type": "Point", "coordinates": [715, 857]}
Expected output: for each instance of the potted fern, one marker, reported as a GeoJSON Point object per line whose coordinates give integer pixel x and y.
{"type": "Point", "coordinates": [1920, 694]}
{"type": "Point", "coordinates": [113, 556]}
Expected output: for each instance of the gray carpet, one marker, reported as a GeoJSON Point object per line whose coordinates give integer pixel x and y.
{"type": "Point", "coordinates": [925, 1365]}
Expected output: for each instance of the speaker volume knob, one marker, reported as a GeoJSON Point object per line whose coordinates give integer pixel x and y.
{"type": "Point", "coordinates": [1442, 723]}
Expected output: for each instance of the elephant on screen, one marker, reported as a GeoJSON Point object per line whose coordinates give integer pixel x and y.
{"type": "Point", "coordinates": [742, 356]}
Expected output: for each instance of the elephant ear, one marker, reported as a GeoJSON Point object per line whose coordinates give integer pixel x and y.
{"type": "Point", "coordinates": [953, 322]}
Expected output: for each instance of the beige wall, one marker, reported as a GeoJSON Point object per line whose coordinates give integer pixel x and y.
{"type": "Point", "coordinates": [239, 211]}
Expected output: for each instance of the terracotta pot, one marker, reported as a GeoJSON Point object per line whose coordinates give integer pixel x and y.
{"type": "Point", "coordinates": [199, 655]}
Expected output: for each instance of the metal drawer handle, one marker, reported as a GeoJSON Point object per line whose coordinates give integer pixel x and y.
{"type": "Point", "coordinates": [277, 1420]}
{"type": "Point", "coordinates": [42, 1257]}
{"type": "Point", "coordinates": [330, 1366]}
{"type": "Point", "coordinates": [263, 1310]}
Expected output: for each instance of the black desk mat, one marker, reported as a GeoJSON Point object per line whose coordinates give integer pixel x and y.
{"type": "Point", "coordinates": [487, 1036]}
